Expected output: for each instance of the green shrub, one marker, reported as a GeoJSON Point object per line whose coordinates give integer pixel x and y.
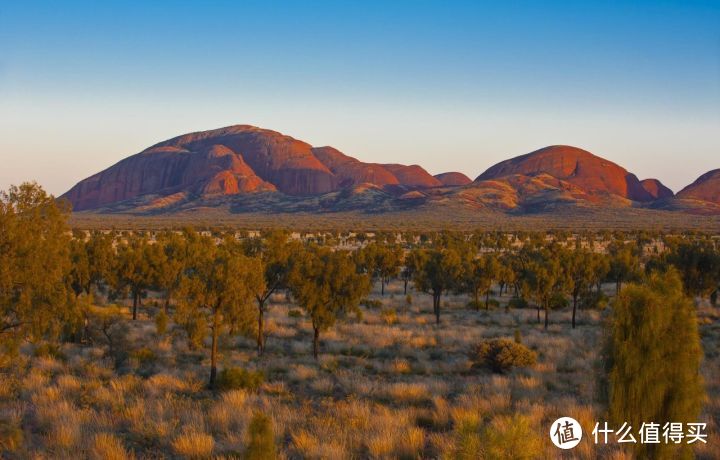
{"type": "Point", "coordinates": [517, 302]}
{"type": "Point", "coordinates": [234, 378]}
{"type": "Point", "coordinates": [501, 355]}
{"type": "Point", "coordinates": [369, 303]}
{"type": "Point", "coordinates": [161, 322]}
{"type": "Point", "coordinates": [295, 313]}
{"type": "Point", "coordinates": [144, 356]}
{"type": "Point", "coordinates": [49, 350]}
{"type": "Point", "coordinates": [493, 303]}
{"type": "Point", "coordinates": [261, 442]}
{"type": "Point", "coordinates": [389, 316]}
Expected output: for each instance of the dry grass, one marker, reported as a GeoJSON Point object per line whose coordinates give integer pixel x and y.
{"type": "Point", "coordinates": [402, 388]}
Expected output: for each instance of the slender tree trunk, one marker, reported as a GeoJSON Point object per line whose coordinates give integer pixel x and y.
{"type": "Point", "coordinates": [135, 305]}
{"type": "Point", "coordinates": [547, 309]}
{"type": "Point", "coordinates": [436, 307]}
{"type": "Point", "coordinates": [487, 299]}
{"type": "Point", "coordinates": [574, 309]}
{"type": "Point", "coordinates": [261, 331]}
{"type": "Point", "coordinates": [406, 283]}
{"type": "Point", "coordinates": [477, 301]}
{"type": "Point", "coordinates": [538, 313]}
{"type": "Point", "coordinates": [382, 287]}
{"type": "Point", "coordinates": [316, 342]}
{"type": "Point", "coordinates": [213, 352]}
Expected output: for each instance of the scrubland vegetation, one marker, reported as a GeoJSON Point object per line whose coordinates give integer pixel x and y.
{"type": "Point", "coordinates": [186, 344]}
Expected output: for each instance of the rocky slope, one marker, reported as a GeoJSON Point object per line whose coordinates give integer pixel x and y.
{"type": "Point", "coordinates": [594, 175]}
{"type": "Point", "coordinates": [705, 188]}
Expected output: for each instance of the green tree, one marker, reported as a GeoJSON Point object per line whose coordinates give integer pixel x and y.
{"type": "Point", "coordinates": [624, 263]}
{"type": "Point", "coordinates": [276, 253]}
{"type": "Point", "coordinates": [580, 267]}
{"type": "Point", "coordinates": [138, 267]}
{"type": "Point", "coordinates": [326, 284]}
{"type": "Point", "coordinates": [219, 287]}
{"type": "Point", "coordinates": [411, 263]}
{"type": "Point", "coordinates": [698, 262]}
{"type": "Point", "coordinates": [478, 275]}
{"type": "Point", "coordinates": [653, 360]}
{"type": "Point", "coordinates": [438, 272]}
{"type": "Point", "coordinates": [543, 277]}
{"type": "Point", "coordinates": [34, 264]}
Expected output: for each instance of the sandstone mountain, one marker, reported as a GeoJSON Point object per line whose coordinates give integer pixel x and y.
{"type": "Point", "coordinates": [656, 189]}
{"type": "Point", "coordinates": [243, 168]}
{"type": "Point", "coordinates": [453, 178]}
{"type": "Point", "coordinates": [705, 188]}
{"type": "Point", "coordinates": [596, 176]}
{"type": "Point", "coordinates": [236, 160]}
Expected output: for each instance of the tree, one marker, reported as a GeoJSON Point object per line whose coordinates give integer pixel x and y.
{"type": "Point", "coordinates": [579, 266]}
{"type": "Point", "coordinates": [218, 287]}
{"type": "Point", "coordinates": [543, 277]}
{"type": "Point", "coordinates": [478, 274]}
{"type": "Point", "coordinates": [175, 258]}
{"type": "Point", "coordinates": [138, 267]}
{"type": "Point", "coordinates": [653, 364]}
{"type": "Point", "coordinates": [698, 262]}
{"type": "Point", "coordinates": [438, 272]}
{"type": "Point", "coordinates": [410, 267]}
{"type": "Point", "coordinates": [276, 253]}
{"type": "Point", "coordinates": [34, 264]}
{"type": "Point", "coordinates": [624, 263]}
{"type": "Point", "coordinates": [326, 284]}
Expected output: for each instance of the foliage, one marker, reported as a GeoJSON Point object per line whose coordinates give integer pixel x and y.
{"type": "Point", "coordinates": [326, 284]}
{"type": "Point", "coordinates": [501, 355]}
{"type": "Point", "coordinates": [236, 378]}
{"type": "Point", "coordinates": [654, 355]}
{"type": "Point", "coordinates": [261, 442]}
{"type": "Point", "coordinates": [34, 264]}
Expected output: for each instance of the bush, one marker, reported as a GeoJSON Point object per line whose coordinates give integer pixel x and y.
{"type": "Point", "coordinates": [161, 323]}
{"type": "Point", "coordinates": [493, 303]}
{"type": "Point", "coordinates": [517, 302]}
{"type": "Point", "coordinates": [49, 350]}
{"type": "Point", "coordinates": [389, 316]}
{"type": "Point", "coordinates": [234, 378]}
{"type": "Point", "coordinates": [261, 442]}
{"type": "Point", "coordinates": [511, 437]}
{"type": "Point", "coordinates": [501, 355]}
{"type": "Point", "coordinates": [368, 303]}
{"type": "Point", "coordinates": [295, 313]}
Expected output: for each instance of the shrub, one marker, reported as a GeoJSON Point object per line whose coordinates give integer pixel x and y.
{"type": "Point", "coordinates": [517, 302]}
{"type": "Point", "coordinates": [511, 437]}
{"type": "Point", "coordinates": [144, 355]}
{"type": "Point", "coordinates": [11, 436]}
{"type": "Point", "coordinates": [389, 316]}
{"type": "Point", "coordinates": [234, 378]}
{"type": "Point", "coordinates": [501, 355]}
{"type": "Point", "coordinates": [408, 299]}
{"type": "Point", "coordinates": [493, 303]}
{"type": "Point", "coordinates": [261, 442]}
{"type": "Point", "coordinates": [49, 350]}
{"type": "Point", "coordinates": [368, 303]}
{"type": "Point", "coordinates": [295, 313]}
{"type": "Point", "coordinates": [161, 323]}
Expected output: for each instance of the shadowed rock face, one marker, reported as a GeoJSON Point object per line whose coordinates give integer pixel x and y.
{"type": "Point", "coordinates": [594, 175]}
{"type": "Point", "coordinates": [453, 179]}
{"type": "Point", "coordinates": [236, 160]}
{"type": "Point", "coordinates": [705, 188]}
{"type": "Point", "coordinates": [656, 189]}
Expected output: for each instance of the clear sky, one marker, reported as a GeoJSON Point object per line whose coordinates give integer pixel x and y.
{"type": "Point", "coordinates": [450, 85]}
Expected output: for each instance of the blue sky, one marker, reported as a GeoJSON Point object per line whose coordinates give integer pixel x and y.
{"type": "Point", "coordinates": [449, 85]}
